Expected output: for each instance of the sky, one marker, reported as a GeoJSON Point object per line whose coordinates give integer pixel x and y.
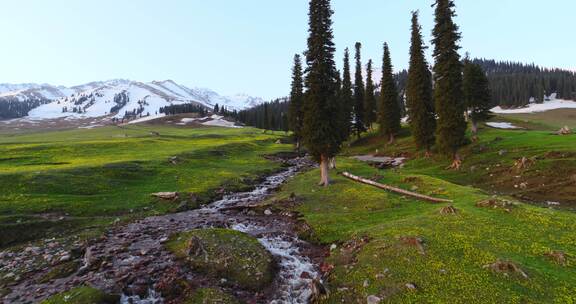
{"type": "Point", "coordinates": [247, 46]}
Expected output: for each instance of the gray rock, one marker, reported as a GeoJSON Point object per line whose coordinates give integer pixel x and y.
{"type": "Point", "coordinates": [373, 300]}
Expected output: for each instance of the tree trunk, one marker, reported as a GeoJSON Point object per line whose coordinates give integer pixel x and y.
{"type": "Point", "coordinates": [456, 162]}
{"type": "Point", "coordinates": [298, 147]}
{"type": "Point", "coordinates": [333, 163]}
{"type": "Point", "coordinates": [324, 164]}
{"type": "Point", "coordinates": [474, 130]}
{"type": "Point", "coordinates": [391, 139]}
{"type": "Point", "coordinates": [396, 190]}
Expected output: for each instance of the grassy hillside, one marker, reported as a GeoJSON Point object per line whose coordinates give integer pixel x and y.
{"type": "Point", "coordinates": [77, 178]}
{"type": "Point", "coordinates": [405, 251]}
{"type": "Point", "coordinates": [549, 120]}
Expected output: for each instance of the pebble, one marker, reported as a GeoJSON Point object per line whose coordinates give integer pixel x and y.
{"type": "Point", "coordinates": [411, 286]}
{"type": "Point", "coordinates": [9, 275]}
{"type": "Point", "coordinates": [267, 212]}
{"type": "Point", "coordinates": [65, 258]}
{"type": "Point", "coordinates": [373, 300]}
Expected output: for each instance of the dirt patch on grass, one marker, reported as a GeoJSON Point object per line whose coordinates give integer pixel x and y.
{"type": "Point", "coordinates": [551, 179]}
{"type": "Point", "coordinates": [448, 210]}
{"type": "Point", "coordinates": [560, 155]}
{"type": "Point", "coordinates": [348, 252]}
{"type": "Point", "coordinates": [559, 257]}
{"type": "Point", "coordinates": [496, 204]}
{"type": "Point", "coordinates": [413, 242]}
{"type": "Point", "coordinates": [507, 268]}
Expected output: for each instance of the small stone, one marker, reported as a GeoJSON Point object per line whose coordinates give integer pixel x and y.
{"type": "Point", "coordinates": [267, 212]}
{"type": "Point", "coordinates": [305, 275]}
{"type": "Point", "coordinates": [333, 247]}
{"type": "Point", "coordinates": [373, 300]}
{"type": "Point", "coordinates": [9, 276]}
{"type": "Point", "coordinates": [366, 284]}
{"type": "Point", "coordinates": [411, 286]}
{"type": "Point", "coordinates": [65, 258]}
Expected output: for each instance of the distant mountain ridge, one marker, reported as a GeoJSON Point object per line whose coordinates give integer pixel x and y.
{"type": "Point", "coordinates": [118, 98]}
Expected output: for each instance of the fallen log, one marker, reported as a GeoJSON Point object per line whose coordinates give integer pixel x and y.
{"type": "Point", "coordinates": [394, 189]}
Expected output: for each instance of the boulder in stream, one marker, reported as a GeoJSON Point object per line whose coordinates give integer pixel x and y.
{"type": "Point", "coordinates": [211, 296]}
{"type": "Point", "coordinates": [222, 253]}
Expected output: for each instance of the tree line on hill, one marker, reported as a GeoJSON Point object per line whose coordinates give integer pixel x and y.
{"type": "Point", "coordinates": [515, 84]}
{"type": "Point", "coordinates": [12, 107]}
{"type": "Point", "coordinates": [184, 108]}
{"type": "Point", "coordinates": [271, 115]}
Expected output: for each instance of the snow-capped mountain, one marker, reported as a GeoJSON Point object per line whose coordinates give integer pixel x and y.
{"type": "Point", "coordinates": [109, 98]}
{"type": "Point", "coordinates": [25, 92]}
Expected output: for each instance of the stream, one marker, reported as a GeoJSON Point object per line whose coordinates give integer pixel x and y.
{"type": "Point", "coordinates": [133, 261]}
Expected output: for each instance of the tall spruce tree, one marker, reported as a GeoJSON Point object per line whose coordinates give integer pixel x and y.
{"type": "Point", "coordinates": [359, 112]}
{"type": "Point", "coordinates": [321, 130]}
{"type": "Point", "coordinates": [419, 102]}
{"type": "Point", "coordinates": [346, 98]}
{"type": "Point", "coordinates": [296, 114]}
{"type": "Point", "coordinates": [369, 98]}
{"type": "Point", "coordinates": [448, 96]}
{"type": "Point", "coordinates": [389, 116]}
{"type": "Point", "coordinates": [477, 95]}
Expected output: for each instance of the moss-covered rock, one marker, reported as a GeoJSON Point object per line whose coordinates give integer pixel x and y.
{"type": "Point", "coordinates": [60, 271]}
{"type": "Point", "coordinates": [211, 296]}
{"type": "Point", "coordinates": [228, 254]}
{"type": "Point", "coordinates": [82, 295]}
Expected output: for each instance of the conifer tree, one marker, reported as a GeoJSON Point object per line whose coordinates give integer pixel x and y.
{"type": "Point", "coordinates": [369, 98]}
{"type": "Point", "coordinates": [451, 125]}
{"type": "Point", "coordinates": [420, 105]}
{"type": "Point", "coordinates": [296, 115]}
{"type": "Point", "coordinates": [321, 130]}
{"type": "Point", "coordinates": [346, 98]}
{"type": "Point", "coordinates": [476, 89]}
{"type": "Point", "coordinates": [389, 116]}
{"type": "Point", "coordinates": [266, 118]}
{"type": "Point", "coordinates": [359, 112]}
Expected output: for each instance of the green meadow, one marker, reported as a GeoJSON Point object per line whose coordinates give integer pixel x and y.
{"type": "Point", "coordinates": [406, 251]}
{"type": "Point", "coordinates": [54, 182]}
{"type": "Point", "coordinates": [504, 244]}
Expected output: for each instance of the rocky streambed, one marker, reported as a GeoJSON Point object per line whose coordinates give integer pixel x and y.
{"type": "Point", "coordinates": [133, 261]}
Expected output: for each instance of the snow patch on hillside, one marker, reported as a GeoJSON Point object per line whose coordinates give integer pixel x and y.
{"type": "Point", "coordinates": [536, 107]}
{"type": "Point", "coordinates": [213, 121]}
{"type": "Point", "coordinates": [502, 125]}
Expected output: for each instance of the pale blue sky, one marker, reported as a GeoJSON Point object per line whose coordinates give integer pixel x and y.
{"type": "Point", "coordinates": [246, 46]}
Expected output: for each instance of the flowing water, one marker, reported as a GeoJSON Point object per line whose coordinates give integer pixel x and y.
{"type": "Point", "coordinates": [136, 261]}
